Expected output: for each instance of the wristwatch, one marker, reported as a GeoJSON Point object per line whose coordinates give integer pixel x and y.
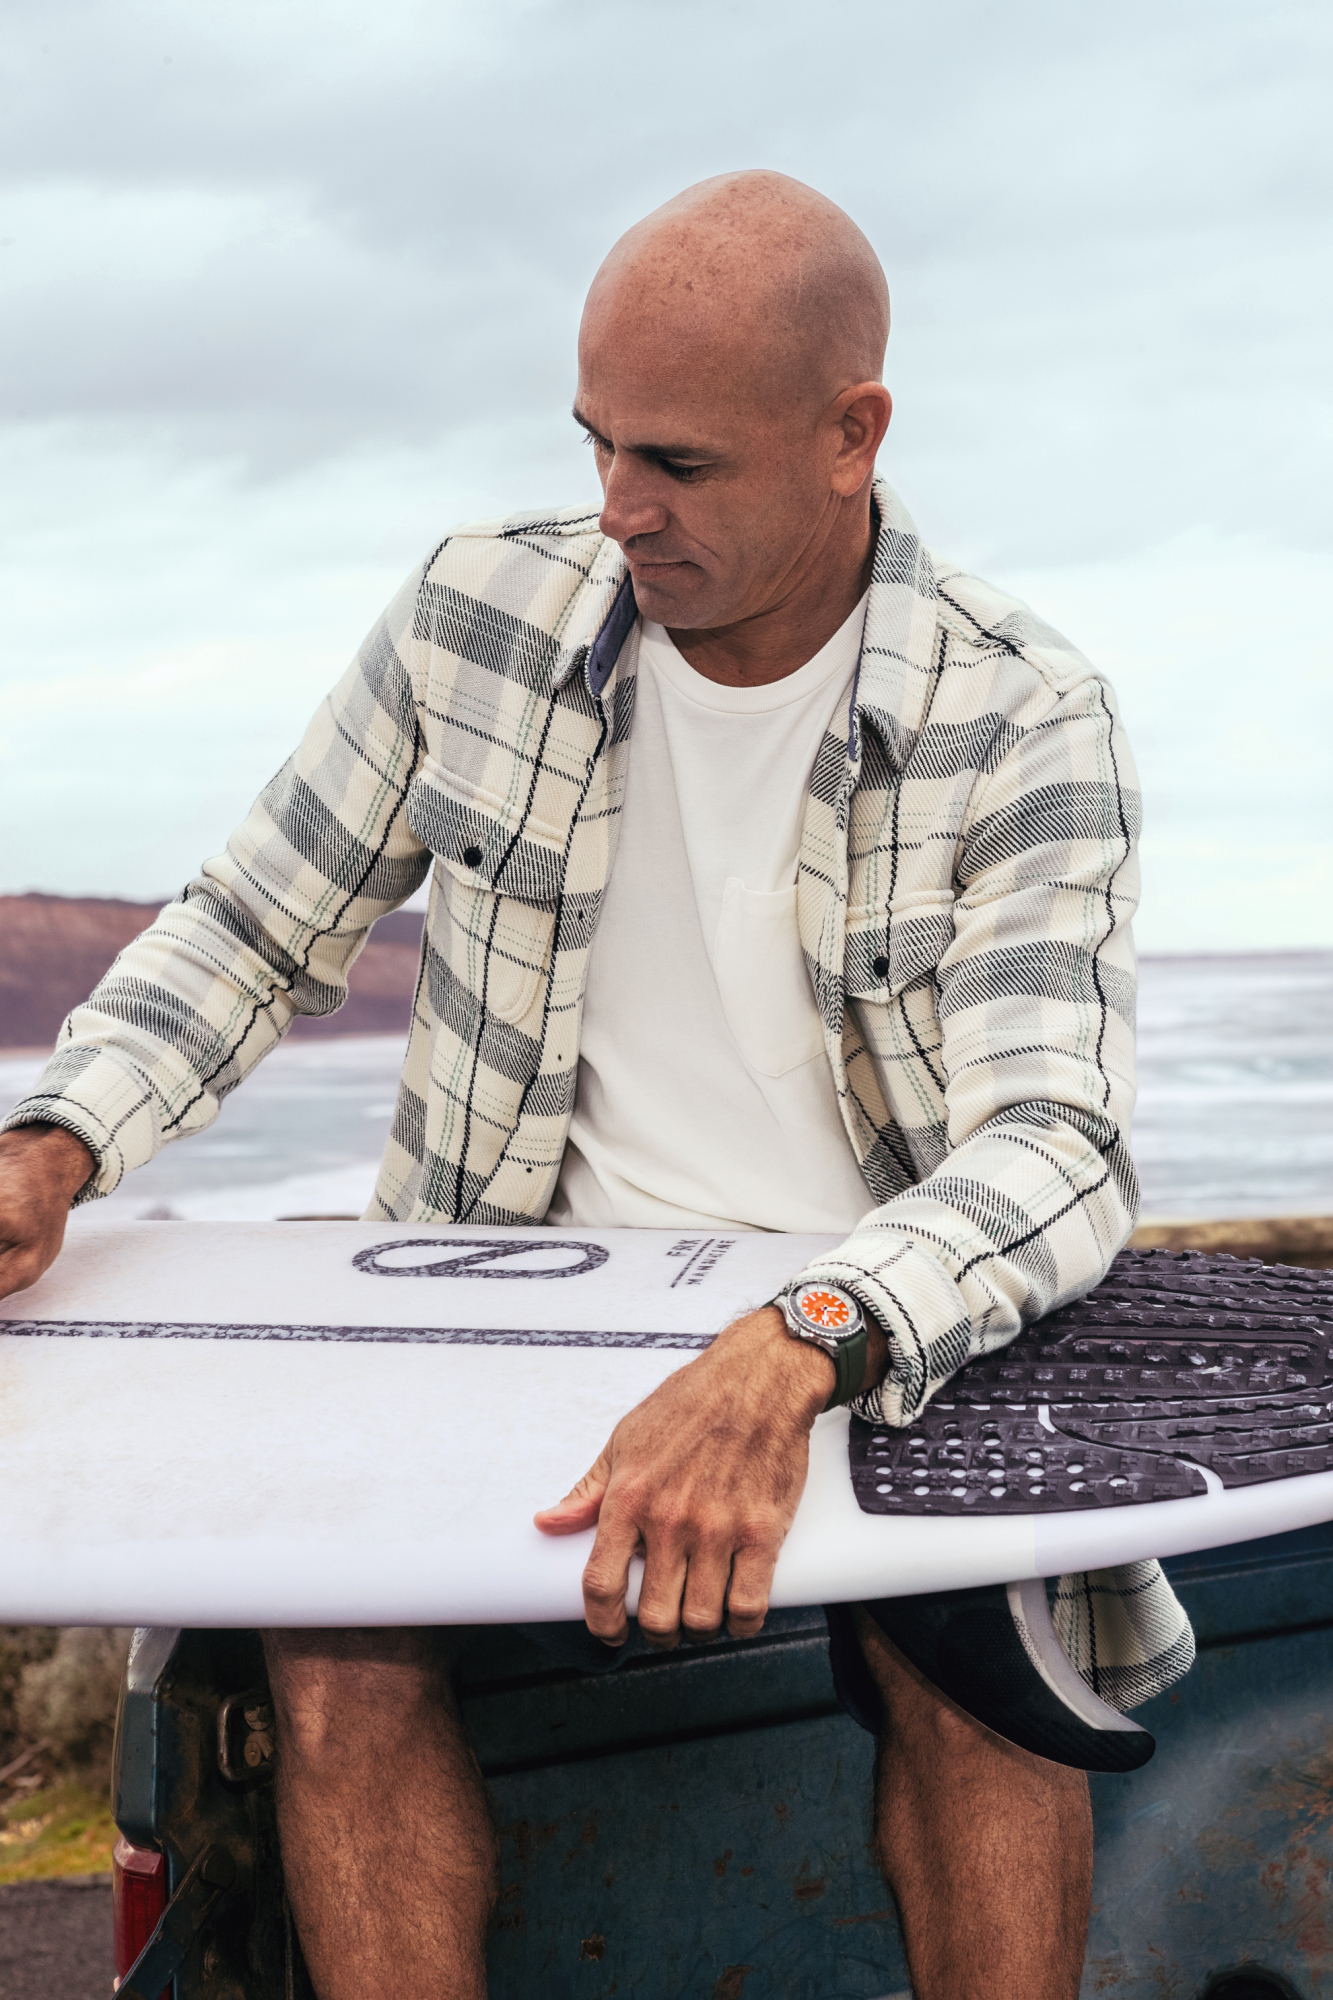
{"type": "Point", "coordinates": [831, 1319]}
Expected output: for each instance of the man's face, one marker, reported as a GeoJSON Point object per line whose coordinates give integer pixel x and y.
{"type": "Point", "coordinates": [716, 492]}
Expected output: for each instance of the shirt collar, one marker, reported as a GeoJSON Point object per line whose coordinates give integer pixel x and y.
{"type": "Point", "coordinates": [605, 649]}
{"type": "Point", "coordinates": [603, 615]}
{"type": "Point", "coordinates": [894, 672]}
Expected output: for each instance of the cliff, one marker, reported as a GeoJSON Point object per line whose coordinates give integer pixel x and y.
{"type": "Point", "coordinates": [54, 949]}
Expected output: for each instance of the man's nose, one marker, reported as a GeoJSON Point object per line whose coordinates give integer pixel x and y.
{"type": "Point", "coordinates": [629, 507]}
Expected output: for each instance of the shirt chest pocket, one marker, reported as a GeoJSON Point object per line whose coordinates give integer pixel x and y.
{"type": "Point", "coordinates": [498, 879]}
{"type": "Point", "coordinates": [761, 976]}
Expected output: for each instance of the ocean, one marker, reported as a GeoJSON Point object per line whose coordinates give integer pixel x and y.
{"type": "Point", "coordinates": [1235, 1111]}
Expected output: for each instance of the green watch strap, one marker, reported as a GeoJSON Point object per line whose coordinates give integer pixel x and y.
{"type": "Point", "coordinates": [850, 1363]}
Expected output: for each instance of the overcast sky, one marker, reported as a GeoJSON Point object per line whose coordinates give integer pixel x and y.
{"type": "Point", "coordinates": [288, 290]}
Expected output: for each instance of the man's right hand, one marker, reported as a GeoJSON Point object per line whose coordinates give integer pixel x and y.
{"type": "Point", "coordinates": [42, 1168]}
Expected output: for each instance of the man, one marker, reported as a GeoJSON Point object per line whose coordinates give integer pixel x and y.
{"type": "Point", "coordinates": [781, 879]}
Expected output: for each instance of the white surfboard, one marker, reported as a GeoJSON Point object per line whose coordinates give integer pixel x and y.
{"type": "Point", "coordinates": [354, 1423]}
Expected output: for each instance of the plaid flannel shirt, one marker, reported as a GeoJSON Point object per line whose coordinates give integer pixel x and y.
{"type": "Point", "coordinates": [967, 876]}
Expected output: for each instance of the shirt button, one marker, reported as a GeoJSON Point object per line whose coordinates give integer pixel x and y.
{"type": "Point", "coordinates": [472, 856]}
{"type": "Point", "coordinates": [880, 967]}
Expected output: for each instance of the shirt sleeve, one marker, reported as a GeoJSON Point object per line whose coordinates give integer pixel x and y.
{"type": "Point", "coordinates": [1035, 999]}
{"type": "Point", "coordinates": [1037, 1190]}
{"type": "Point", "coordinates": [268, 930]}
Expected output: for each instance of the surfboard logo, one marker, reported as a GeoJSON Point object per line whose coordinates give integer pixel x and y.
{"type": "Point", "coordinates": [498, 1257]}
{"type": "Point", "coordinates": [822, 1308]}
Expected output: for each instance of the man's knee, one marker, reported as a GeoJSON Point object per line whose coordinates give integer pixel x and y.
{"type": "Point", "coordinates": [346, 1695]}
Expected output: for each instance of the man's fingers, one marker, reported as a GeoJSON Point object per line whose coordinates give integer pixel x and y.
{"type": "Point", "coordinates": [747, 1599]}
{"type": "Point", "coordinates": [606, 1577]}
{"type": "Point", "coordinates": [580, 1507]}
{"type": "Point", "coordinates": [706, 1590]}
{"type": "Point", "coordinates": [20, 1266]}
{"type": "Point", "coordinates": [660, 1594]}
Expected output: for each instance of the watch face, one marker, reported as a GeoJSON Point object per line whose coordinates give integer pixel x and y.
{"type": "Point", "coordinates": [827, 1308]}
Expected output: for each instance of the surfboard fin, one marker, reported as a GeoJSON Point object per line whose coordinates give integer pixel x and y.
{"type": "Point", "coordinates": [996, 1653]}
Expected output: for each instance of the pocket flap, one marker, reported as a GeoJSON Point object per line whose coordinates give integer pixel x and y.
{"type": "Point", "coordinates": [888, 950]}
{"type": "Point", "coordinates": [484, 840]}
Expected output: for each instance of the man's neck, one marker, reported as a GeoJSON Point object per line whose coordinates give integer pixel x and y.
{"type": "Point", "coordinates": [779, 640]}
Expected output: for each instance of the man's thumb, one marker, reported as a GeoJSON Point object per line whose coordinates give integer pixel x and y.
{"type": "Point", "coordinates": [580, 1507]}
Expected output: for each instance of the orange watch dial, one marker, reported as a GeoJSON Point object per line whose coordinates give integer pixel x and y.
{"type": "Point", "coordinates": [823, 1308]}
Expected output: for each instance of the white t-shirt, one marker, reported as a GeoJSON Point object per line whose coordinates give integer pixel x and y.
{"type": "Point", "coordinates": [704, 1094]}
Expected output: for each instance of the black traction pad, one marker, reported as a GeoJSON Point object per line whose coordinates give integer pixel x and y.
{"type": "Point", "coordinates": [1176, 1361]}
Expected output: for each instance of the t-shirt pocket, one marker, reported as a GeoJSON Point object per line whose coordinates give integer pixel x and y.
{"type": "Point", "coordinates": [766, 993]}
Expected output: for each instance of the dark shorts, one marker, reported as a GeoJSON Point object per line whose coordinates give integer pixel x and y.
{"type": "Point", "coordinates": [572, 1647]}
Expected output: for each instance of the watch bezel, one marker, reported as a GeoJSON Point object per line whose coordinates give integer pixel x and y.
{"type": "Point", "coordinates": [831, 1339]}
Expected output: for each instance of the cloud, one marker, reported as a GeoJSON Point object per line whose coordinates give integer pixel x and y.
{"type": "Point", "coordinates": [288, 232]}
{"type": "Point", "coordinates": [286, 290]}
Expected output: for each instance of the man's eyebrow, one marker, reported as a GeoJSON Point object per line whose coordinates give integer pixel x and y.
{"type": "Point", "coordinates": [647, 450]}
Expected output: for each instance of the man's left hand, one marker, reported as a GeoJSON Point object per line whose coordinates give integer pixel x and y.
{"type": "Point", "coordinates": [702, 1479]}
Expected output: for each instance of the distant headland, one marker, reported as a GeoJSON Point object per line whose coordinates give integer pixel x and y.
{"type": "Point", "coordinates": [54, 949]}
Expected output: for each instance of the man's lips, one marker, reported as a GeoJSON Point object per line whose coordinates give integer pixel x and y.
{"type": "Point", "coordinates": [660, 575]}
{"type": "Point", "coordinates": [646, 565]}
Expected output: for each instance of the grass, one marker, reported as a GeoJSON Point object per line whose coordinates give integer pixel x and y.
{"type": "Point", "coordinates": [64, 1830]}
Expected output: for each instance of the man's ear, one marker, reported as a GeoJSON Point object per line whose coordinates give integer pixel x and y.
{"type": "Point", "coordinates": [862, 415]}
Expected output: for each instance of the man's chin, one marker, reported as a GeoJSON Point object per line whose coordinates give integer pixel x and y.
{"type": "Point", "coordinates": [670, 600]}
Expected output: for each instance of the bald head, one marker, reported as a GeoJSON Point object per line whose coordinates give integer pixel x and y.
{"type": "Point", "coordinates": [730, 362]}
{"type": "Point", "coordinates": [755, 275]}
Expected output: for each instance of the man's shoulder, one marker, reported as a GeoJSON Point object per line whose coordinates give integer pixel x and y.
{"type": "Point", "coordinates": [555, 523]}
{"type": "Point", "coordinates": [987, 621]}
{"type": "Point", "coordinates": [544, 568]}
{"type": "Point", "coordinates": [537, 534]}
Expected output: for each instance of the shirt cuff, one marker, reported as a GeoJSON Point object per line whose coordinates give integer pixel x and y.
{"type": "Point", "coordinates": [103, 1100]}
{"type": "Point", "coordinates": [913, 1298]}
